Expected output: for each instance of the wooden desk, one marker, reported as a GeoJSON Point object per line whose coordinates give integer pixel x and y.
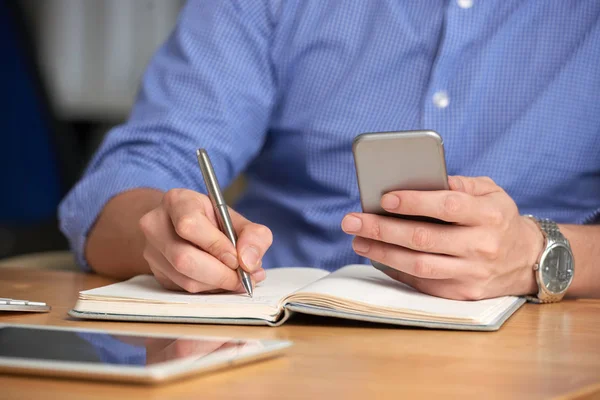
{"type": "Point", "coordinates": [541, 352]}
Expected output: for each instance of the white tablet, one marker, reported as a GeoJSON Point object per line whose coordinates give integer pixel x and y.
{"type": "Point", "coordinates": [120, 356]}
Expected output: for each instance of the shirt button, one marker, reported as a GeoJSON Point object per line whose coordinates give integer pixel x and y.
{"type": "Point", "coordinates": [441, 99]}
{"type": "Point", "coordinates": [465, 3]}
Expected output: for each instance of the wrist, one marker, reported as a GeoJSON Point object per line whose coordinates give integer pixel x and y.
{"type": "Point", "coordinates": [534, 246]}
{"type": "Point", "coordinates": [115, 243]}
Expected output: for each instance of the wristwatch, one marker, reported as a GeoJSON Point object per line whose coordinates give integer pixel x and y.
{"type": "Point", "coordinates": [554, 269]}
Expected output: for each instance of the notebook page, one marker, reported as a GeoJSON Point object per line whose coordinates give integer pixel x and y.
{"type": "Point", "coordinates": [145, 289]}
{"type": "Point", "coordinates": [367, 285]}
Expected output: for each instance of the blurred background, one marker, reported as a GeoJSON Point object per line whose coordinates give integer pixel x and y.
{"type": "Point", "coordinates": [70, 70]}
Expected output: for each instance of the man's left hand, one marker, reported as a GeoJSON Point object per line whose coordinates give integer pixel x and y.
{"type": "Point", "coordinates": [487, 250]}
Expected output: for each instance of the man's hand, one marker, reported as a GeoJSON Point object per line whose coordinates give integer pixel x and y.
{"type": "Point", "coordinates": [488, 250]}
{"type": "Point", "coordinates": [186, 250]}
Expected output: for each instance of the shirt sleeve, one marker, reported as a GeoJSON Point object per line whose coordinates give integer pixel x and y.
{"type": "Point", "coordinates": [210, 85]}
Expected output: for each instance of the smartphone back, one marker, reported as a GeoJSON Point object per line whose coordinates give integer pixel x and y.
{"type": "Point", "coordinates": [388, 161]}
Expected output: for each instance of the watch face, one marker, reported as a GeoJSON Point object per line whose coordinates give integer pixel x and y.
{"type": "Point", "coordinates": [557, 269]}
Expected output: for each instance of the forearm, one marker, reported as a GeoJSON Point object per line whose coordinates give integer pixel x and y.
{"type": "Point", "coordinates": [115, 243]}
{"type": "Point", "coordinates": [585, 242]}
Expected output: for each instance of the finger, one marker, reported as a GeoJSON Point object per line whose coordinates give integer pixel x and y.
{"type": "Point", "coordinates": [201, 266]}
{"type": "Point", "coordinates": [188, 214]}
{"type": "Point", "coordinates": [168, 277]}
{"type": "Point", "coordinates": [420, 265]}
{"type": "Point", "coordinates": [157, 262]}
{"type": "Point", "coordinates": [184, 257]}
{"type": "Point", "coordinates": [414, 282]}
{"type": "Point", "coordinates": [253, 241]}
{"type": "Point", "coordinates": [163, 279]}
{"type": "Point", "coordinates": [447, 289]}
{"type": "Point", "coordinates": [475, 186]}
{"type": "Point", "coordinates": [171, 279]}
{"type": "Point", "coordinates": [258, 276]}
{"type": "Point", "coordinates": [450, 206]}
{"type": "Point", "coordinates": [440, 288]}
{"type": "Point", "coordinates": [420, 236]}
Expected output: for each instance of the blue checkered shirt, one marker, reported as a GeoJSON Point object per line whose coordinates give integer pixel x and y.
{"type": "Point", "coordinates": [278, 90]}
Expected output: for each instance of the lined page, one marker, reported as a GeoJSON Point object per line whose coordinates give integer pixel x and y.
{"type": "Point", "coordinates": [145, 289]}
{"type": "Point", "coordinates": [371, 287]}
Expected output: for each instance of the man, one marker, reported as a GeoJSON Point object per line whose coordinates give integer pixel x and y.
{"type": "Point", "coordinates": [279, 89]}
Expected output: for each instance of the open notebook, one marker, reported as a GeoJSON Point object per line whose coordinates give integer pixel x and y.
{"type": "Point", "coordinates": [358, 292]}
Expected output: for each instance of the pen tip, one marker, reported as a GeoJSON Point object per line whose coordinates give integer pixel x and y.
{"type": "Point", "coordinates": [247, 284]}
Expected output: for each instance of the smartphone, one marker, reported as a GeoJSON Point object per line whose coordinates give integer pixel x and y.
{"type": "Point", "coordinates": [405, 160]}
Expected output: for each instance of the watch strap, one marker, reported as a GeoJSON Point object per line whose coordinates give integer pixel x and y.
{"type": "Point", "coordinates": [550, 229]}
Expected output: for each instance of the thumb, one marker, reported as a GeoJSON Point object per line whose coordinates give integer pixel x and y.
{"type": "Point", "coordinates": [475, 186]}
{"type": "Point", "coordinates": [253, 241]}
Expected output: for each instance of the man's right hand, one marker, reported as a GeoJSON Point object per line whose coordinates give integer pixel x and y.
{"type": "Point", "coordinates": [186, 250]}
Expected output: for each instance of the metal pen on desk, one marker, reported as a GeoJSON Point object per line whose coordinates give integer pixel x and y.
{"type": "Point", "coordinates": [221, 210]}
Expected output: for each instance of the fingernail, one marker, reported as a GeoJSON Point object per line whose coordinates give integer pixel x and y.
{"type": "Point", "coordinates": [259, 275]}
{"type": "Point", "coordinates": [351, 223]}
{"type": "Point", "coordinates": [230, 260]}
{"type": "Point", "coordinates": [360, 245]}
{"type": "Point", "coordinates": [390, 202]}
{"type": "Point", "coordinates": [250, 257]}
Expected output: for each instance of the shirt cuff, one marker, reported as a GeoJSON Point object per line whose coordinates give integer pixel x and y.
{"type": "Point", "coordinates": [79, 210]}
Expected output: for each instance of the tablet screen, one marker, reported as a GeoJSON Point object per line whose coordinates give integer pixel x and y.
{"type": "Point", "coordinates": [104, 348]}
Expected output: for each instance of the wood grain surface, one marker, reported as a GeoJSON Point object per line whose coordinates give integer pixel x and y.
{"type": "Point", "coordinates": [543, 351]}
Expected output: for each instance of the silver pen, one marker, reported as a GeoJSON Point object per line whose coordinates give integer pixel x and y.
{"type": "Point", "coordinates": [221, 211]}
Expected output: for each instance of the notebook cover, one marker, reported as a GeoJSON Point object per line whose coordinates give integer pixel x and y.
{"type": "Point", "coordinates": [189, 320]}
